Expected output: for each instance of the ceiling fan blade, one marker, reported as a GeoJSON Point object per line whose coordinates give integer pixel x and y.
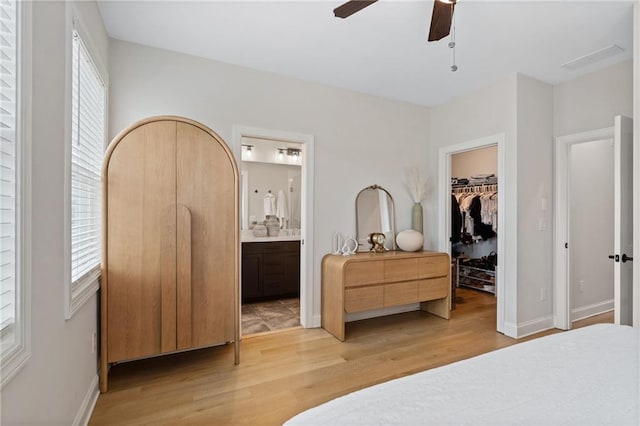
{"type": "Point", "coordinates": [351, 7]}
{"type": "Point", "coordinates": [441, 20]}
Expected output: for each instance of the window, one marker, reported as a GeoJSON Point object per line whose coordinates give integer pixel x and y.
{"type": "Point", "coordinates": [87, 149]}
{"type": "Point", "coordinates": [8, 164]}
{"type": "Point", "coordinates": [13, 163]}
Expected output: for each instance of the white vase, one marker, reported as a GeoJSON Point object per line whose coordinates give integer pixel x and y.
{"type": "Point", "coordinates": [410, 240]}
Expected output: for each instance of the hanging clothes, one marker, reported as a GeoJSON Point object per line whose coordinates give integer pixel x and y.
{"type": "Point", "coordinates": [478, 208]}
{"type": "Point", "coordinates": [456, 220]}
{"type": "Point", "coordinates": [489, 212]}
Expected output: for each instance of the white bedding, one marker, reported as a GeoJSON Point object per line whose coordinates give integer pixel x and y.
{"type": "Point", "coordinates": [588, 376]}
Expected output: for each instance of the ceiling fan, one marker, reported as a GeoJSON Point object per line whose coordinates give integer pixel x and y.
{"type": "Point", "coordinates": [440, 19]}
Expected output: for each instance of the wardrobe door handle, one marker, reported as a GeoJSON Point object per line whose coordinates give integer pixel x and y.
{"type": "Point", "coordinates": [183, 273]}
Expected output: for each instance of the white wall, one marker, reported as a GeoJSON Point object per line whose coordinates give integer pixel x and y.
{"type": "Point", "coordinates": [591, 226]}
{"type": "Point", "coordinates": [477, 161]}
{"type": "Point", "coordinates": [61, 372]}
{"type": "Point", "coordinates": [535, 186]}
{"type": "Point", "coordinates": [352, 131]}
{"type": "Point", "coordinates": [590, 102]}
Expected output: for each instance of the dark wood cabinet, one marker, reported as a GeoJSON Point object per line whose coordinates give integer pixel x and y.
{"type": "Point", "coordinates": [251, 273]}
{"type": "Point", "coordinates": [270, 269]}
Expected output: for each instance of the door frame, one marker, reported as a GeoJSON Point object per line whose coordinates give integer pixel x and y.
{"type": "Point", "coordinates": [307, 319]}
{"type": "Point", "coordinates": [561, 279]}
{"type": "Point", "coordinates": [505, 288]}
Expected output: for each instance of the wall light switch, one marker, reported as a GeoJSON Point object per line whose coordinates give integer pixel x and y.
{"type": "Point", "coordinates": [543, 204]}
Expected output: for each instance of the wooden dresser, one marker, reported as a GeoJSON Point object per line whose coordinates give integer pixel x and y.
{"type": "Point", "coordinates": [368, 281]}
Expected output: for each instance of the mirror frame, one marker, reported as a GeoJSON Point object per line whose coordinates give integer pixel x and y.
{"type": "Point", "coordinates": [392, 220]}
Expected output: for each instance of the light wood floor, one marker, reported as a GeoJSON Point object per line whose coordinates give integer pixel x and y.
{"type": "Point", "coordinates": [284, 373]}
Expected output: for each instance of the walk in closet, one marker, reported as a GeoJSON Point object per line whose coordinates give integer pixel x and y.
{"type": "Point", "coordinates": [474, 218]}
{"type": "Point", "coordinates": [170, 279]}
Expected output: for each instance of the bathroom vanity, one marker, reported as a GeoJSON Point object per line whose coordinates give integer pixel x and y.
{"type": "Point", "coordinates": [270, 268]}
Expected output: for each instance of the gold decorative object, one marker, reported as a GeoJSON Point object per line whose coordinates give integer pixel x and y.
{"type": "Point", "coordinates": [377, 239]}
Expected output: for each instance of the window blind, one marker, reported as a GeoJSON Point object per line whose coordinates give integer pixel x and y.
{"type": "Point", "coordinates": [87, 139]}
{"type": "Point", "coordinates": [8, 163]}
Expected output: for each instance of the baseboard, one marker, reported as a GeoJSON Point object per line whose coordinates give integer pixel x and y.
{"type": "Point", "coordinates": [382, 312]}
{"type": "Point", "coordinates": [316, 322]}
{"type": "Point", "coordinates": [88, 403]}
{"type": "Point", "coordinates": [511, 330]}
{"type": "Point", "coordinates": [591, 310]}
{"type": "Point", "coordinates": [535, 326]}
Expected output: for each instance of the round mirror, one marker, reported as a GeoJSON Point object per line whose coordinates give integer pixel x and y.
{"type": "Point", "coordinates": [375, 213]}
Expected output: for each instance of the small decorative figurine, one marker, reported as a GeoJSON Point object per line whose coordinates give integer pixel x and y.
{"type": "Point", "coordinates": [377, 239]}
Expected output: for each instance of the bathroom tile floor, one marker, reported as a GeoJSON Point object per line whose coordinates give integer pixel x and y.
{"type": "Point", "coordinates": [271, 315]}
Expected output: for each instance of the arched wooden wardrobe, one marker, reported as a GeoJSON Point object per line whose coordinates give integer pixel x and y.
{"type": "Point", "coordinates": [170, 279]}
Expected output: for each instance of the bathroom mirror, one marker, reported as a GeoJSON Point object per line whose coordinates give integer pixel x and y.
{"type": "Point", "coordinates": [375, 213]}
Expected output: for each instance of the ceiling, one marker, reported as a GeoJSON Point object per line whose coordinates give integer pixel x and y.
{"type": "Point", "coordinates": [383, 49]}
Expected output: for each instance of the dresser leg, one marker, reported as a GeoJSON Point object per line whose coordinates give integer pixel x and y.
{"type": "Point", "coordinates": [438, 307]}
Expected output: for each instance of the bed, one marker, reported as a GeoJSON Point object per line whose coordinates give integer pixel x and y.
{"type": "Point", "coordinates": [587, 376]}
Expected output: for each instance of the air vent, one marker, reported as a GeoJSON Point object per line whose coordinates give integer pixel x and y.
{"type": "Point", "coordinates": [593, 57]}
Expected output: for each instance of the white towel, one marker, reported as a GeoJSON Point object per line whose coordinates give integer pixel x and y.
{"type": "Point", "coordinates": [269, 205]}
{"type": "Point", "coordinates": [281, 208]}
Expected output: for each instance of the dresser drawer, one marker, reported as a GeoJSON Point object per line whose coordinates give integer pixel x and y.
{"type": "Point", "coordinates": [433, 266]}
{"type": "Point", "coordinates": [363, 299]}
{"type": "Point", "coordinates": [363, 273]}
{"type": "Point", "coordinates": [400, 293]}
{"type": "Point", "coordinates": [435, 288]}
{"type": "Point", "coordinates": [400, 270]}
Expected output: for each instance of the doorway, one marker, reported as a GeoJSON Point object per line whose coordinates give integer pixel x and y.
{"type": "Point", "coordinates": [474, 219]}
{"type": "Point", "coordinates": [590, 202]}
{"type": "Point", "coordinates": [593, 224]}
{"type": "Point", "coordinates": [446, 154]}
{"type": "Point", "coordinates": [276, 227]}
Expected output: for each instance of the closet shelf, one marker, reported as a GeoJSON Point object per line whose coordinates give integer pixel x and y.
{"type": "Point", "coordinates": [477, 278]}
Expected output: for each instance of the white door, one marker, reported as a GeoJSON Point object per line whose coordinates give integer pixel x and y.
{"type": "Point", "coordinates": [623, 221]}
